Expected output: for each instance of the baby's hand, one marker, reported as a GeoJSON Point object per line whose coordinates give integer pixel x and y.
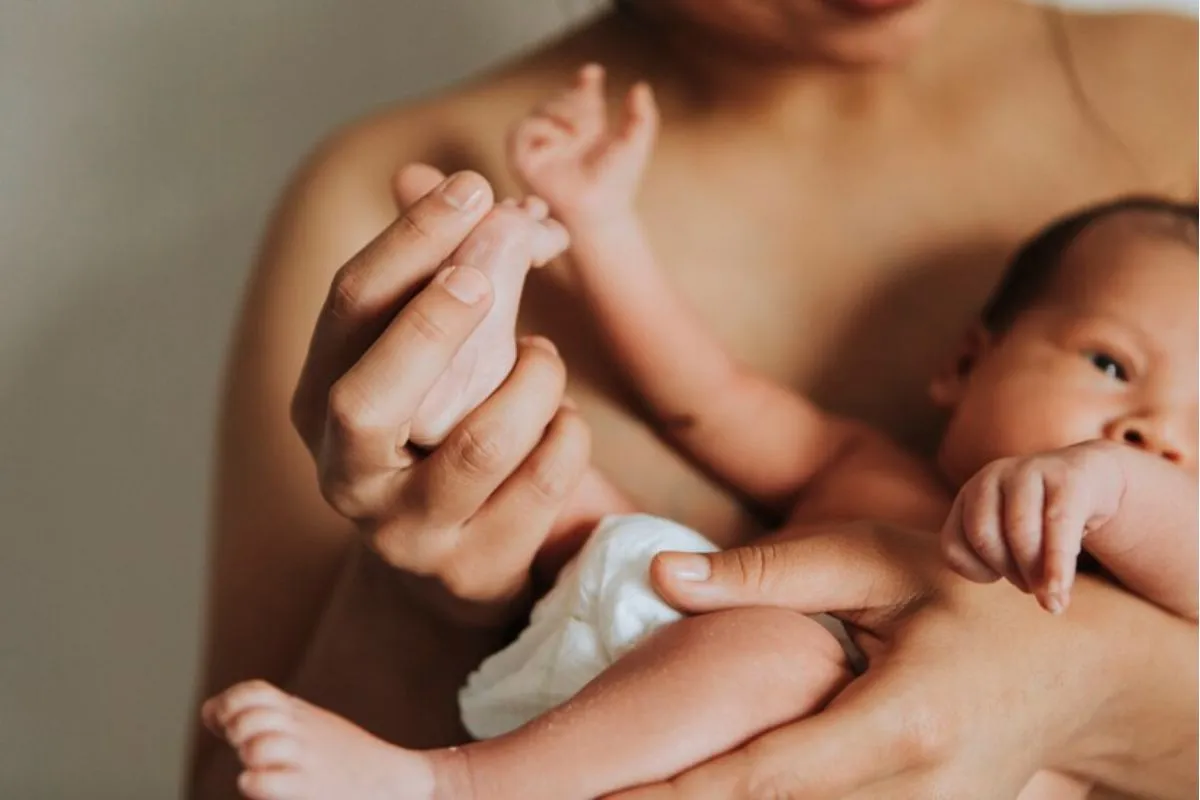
{"type": "Point", "coordinates": [1024, 519]}
{"type": "Point", "coordinates": [567, 154]}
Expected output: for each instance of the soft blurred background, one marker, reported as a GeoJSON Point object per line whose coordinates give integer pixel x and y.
{"type": "Point", "coordinates": [141, 146]}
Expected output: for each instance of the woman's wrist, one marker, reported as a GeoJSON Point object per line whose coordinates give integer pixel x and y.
{"type": "Point", "coordinates": [384, 657]}
{"type": "Point", "coordinates": [380, 586]}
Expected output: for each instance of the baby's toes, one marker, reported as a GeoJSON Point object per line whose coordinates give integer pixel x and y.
{"type": "Point", "coordinates": [549, 242]}
{"type": "Point", "coordinates": [272, 784]}
{"type": "Point", "coordinates": [535, 207]}
{"type": "Point", "coordinates": [219, 710]}
{"type": "Point", "coordinates": [255, 722]}
{"type": "Point", "coordinates": [270, 750]}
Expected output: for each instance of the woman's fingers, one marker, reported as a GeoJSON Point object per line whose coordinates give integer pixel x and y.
{"type": "Point", "coordinates": [827, 570]}
{"type": "Point", "coordinates": [369, 408]}
{"type": "Point", "coordinates": [487, 499]}
{"type": "Point", "coordinates": [807, 760]}
{"type": "Point", "coordinates": [377, 282]}
{"type": "Point", "coordinates": [451, 485]}
{"type": "Point", "coordinates": [413, 181]}
{"type": "Point", "coordinates": [517, 518]}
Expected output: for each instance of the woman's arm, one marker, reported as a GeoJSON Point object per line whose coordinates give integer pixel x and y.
{"type": "Point", "coordinates": [970, 688]}
{"type": "Point", "coordinates": [295, 598]}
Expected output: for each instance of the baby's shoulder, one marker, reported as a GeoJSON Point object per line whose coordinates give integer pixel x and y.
{"type": "Point", "coordinates": [879, 479]}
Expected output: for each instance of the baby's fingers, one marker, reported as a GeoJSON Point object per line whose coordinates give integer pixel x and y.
{"type": "Point", "coordinates": [958, 551]}
{"type": "Point", "coordinates": [1024, 497]}
{"type": "Point", "coordinates": [983, 523]}
{"type": "Point", "coordinates": [1064, 527]}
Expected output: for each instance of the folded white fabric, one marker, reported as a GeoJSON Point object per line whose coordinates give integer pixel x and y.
{"type": "Point", "coordinates": [600, 608]}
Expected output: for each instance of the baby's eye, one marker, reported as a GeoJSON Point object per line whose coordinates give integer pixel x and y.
{"type": "Point", "coordinates": [1108, 365]}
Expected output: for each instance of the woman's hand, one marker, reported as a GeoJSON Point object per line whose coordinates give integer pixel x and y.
{"type": "Point", "coordinates": [970, 688]}
{"type": "Point", "coordinates": [470, 516]}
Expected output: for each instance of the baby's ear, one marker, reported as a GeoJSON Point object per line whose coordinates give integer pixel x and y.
{"type": "Point", "coordinates": [947, 387]}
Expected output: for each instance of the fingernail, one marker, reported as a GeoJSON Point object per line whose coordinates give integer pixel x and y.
{"type": "Point", "coordinates": [463, 190]}
{"type": "Point", "coordinates": [688, 567]}
{"type": "Point", "coordinates": [1054, 598]}
{"type": "Point", "coordinates": [467, 284]}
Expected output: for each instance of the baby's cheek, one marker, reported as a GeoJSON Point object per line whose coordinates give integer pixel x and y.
{"type": "Point", "coordinates": [984, 429]}
{"type": "Point", "coordinates": [1023, 423]}
{"type": "Point", "coordinates": [963, 449]}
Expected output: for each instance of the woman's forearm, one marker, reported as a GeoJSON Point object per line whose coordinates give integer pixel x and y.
{"type": "Point", "coordinates": [1142, 739]}
{"type": "Point", "coordinates": [381, 659]}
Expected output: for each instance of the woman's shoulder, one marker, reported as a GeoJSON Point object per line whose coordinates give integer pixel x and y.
{"type": "Point", "coordinates": [1131, 55]}
{"type": "Point", "coordinates": [1138, 72]}
{"type": "Point", "coordinates": [459, 127]}
{"type": "Point", "coordinates": [1160, 35]}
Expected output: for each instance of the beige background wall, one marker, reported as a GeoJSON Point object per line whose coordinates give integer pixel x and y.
{"type": "Point", "coordinates": [141, 143]}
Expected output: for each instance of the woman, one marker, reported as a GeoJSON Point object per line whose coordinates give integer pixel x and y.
{"type": "Point", "coordinates": [830, 172]}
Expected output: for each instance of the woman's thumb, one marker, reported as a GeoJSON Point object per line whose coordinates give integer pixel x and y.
{"type": "Point", "coordinates": [826, 571]}
{"type": "Point", "coordinates": [773, 574]}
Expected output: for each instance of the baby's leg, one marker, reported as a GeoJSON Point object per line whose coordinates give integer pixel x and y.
{"type": "Point", "coordinates": [512, 238]}
{"type": "Point", "coordinates": [693, 690]}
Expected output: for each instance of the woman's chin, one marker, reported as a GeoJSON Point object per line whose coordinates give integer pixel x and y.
{"type": "Point", "coordinates": [875, 33]}
{"type": "Point", "coordinates": [853, 33]}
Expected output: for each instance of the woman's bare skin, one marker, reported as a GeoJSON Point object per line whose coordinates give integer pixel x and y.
{"type": "Point", "coordinates": [512, 238]}
{"type": "Point", "coordinates": [951, 179]}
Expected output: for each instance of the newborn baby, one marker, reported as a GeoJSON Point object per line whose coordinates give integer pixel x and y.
{"type": "Point", "coordinates": [1072, 426]}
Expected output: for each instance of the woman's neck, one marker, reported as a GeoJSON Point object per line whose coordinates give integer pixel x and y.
{"type": "Point", "coordinates": [698, 74]}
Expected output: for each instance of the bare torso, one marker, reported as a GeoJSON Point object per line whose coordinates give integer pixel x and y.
{"type": "Point", "coordinates": [839, 245]}
{"type": "Point", "coordinates": [840, 251]}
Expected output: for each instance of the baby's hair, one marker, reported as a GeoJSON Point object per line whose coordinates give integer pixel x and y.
{"type": "Point", "coordinates": [1033, 266]}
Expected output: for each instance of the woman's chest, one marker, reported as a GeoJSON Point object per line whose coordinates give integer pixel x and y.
{"type": "Point", "coordinates": [850, 279]}
{"type": "Point", "coordinates": [844, 287]}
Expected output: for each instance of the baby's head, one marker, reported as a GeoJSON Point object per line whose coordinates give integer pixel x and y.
{"type": "Point", "coordinates": [1091, 334]}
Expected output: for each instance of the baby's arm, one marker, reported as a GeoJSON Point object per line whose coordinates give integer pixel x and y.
{"type": "Point", "coordinates": [1027, 519]}
{"type": "Point", "coordinates": [755, 435]}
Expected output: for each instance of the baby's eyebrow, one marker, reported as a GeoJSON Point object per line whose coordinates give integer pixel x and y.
{"type": "Point", "coordinates": [1129, 334]}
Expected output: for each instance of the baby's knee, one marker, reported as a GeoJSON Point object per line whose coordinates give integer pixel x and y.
{"type": "Point", "coordinates": [774, 633]}
{"type": "Point", "coordinates": [769, 647]}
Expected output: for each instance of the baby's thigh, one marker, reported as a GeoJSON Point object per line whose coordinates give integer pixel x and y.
{"type": "Point", "coordinates": [747, 663]}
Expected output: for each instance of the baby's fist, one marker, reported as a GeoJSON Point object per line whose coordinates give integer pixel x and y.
{"type": "Point", "coordinates": [1024, 519]}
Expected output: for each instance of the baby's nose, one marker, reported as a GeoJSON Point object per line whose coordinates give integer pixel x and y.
{"type": "Point", "coordinates": [1152, 435]}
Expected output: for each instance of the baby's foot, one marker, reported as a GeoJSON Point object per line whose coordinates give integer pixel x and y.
{"type": "Point", "coordinates": [291, 750]}
{"type": "Point", "coordinates": [567, 154]}
{"type": "Point", "coordinates": [512, 238]}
